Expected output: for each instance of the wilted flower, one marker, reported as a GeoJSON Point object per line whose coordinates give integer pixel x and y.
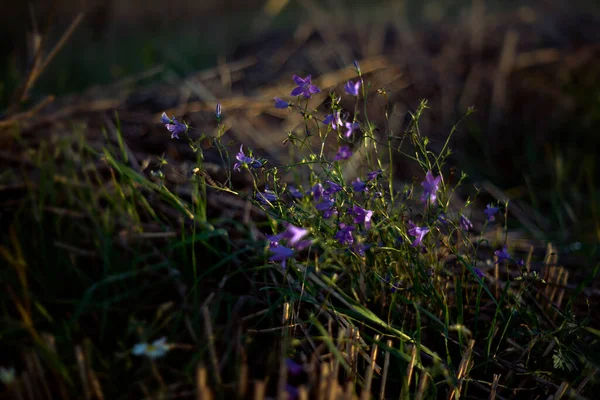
{"type": "Point", "coordinates": [491, 211]}
{"type": "Point", "coordinates": [281, 104]}
{"type": "Point", "coordinates": [418, 232]}
{"type": "Point", "coordinates": [502, 254]}
{"type": "Point", "coordinates": [157, 349]}
{"type": "Point", "coordinates": [245, 160]}
{"type": "Point", "coordinates": [343, 153]}
{"type": "Point", "coordinates": [333, 119]}
{"type": "Point", "coordinates": [430, 187]}
{"type": "Point", "coordinates": [344, 235]}
{"type": "Point", "coordinates": [359, 186]}
{"type": "Point", "coordinates": [173, 126]}
{"type": "Point", "coordinates": [465, 224]}
{"type": "Point", "coordinates": [352, 88]}
{"type": "Point", "coordinates": [362, 216]}
{"type": "Point", "coordinates": [305, 87]}
{"type": "Point", "coordinates": [374, 174]}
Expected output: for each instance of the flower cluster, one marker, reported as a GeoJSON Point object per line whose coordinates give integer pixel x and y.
{"type": "Point", "coordinates": [292, 236]}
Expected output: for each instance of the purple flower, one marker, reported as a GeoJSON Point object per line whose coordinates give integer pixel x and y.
{"type": "Point", "coordinates": [465, 224]}
{"type": "Point", "coordinates": [266, 197]}
{"type": "Point", "coordinates": [418, 232]}
{"type": "Point", "coordinates": [317, 191]}
{"type": "Point", "coordinates": [294, 193]}
{"type": "Point", "coordinates": [332, 189]}
{"type": "Point", "coordinates": [356, 66]}
{"type": "Point", "coordinates": [343, 153]}
{"type": "Point", "coordinates": [442, 218]}
{"type": "Point", "coordinates": [344, 235]}
{"type": "Point", "coordinates": [334, 120]}
{"type": "Point", "coordinates": [362, 216]}
{"type": "Point", "coordinates": [361, 248]}
{"type": "Point", "coordinates": [305, 87]}
{"type": "Point", "coordinates": [218, 111]}
{"type": "Point", "coordinates": [430, 187]}
{"type": "Point", "coordinates": [281, 104]}
{"type": "Point", "coordinates": [173, 126]}
{"type": "Point", "coordinates": [280, 254]}
{"type": "Point", "coordinates": [294, 234]}
{"type": "Point", "coordinates": [245, 160]}
{"type": "Point", "coordinates": [374, 175]}
{"type": "Point", "coordinates": [327, 206]}
{"type": "Point", "coordinates": [293, 367]}
{"type": "Point", "coordinates": [351, 126]}
{"type": "Point", "coordinates": [352, 88]}
{"type": "Point", "coordinates": [491, 211]}
{"type": "Point", "coordinates": [502, 254]}
{"type": "Point", "coordinates": [292, 392]}
{"type": "Point", "coordinates": [478, 272]}
{"type": "Point", "coordinates": [359, 186]}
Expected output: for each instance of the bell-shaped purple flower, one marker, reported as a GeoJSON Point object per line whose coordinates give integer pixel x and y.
{"type": "Point", "coordinates": [344, 235]}
{"type": "Point", "coordinates": [173, 126]}
{"type": "Point", "coordinates": [490, 211]}
{"type": "Point", "coordinates": [244, 160]}
{"type": "Point", "coordinates": [430, 188]}
{"type": "Point", "coordinates": [334, 120]}
{"type": "Point", "coordinates": [418, 232]}
{"type": "Point", "coordinates": [352, 88]}
{"type": "Point", "coordinates": [281, 104]}
{"type": "Point", "coordinates": [350, 128]}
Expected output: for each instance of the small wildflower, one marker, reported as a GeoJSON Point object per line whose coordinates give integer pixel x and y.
{"type": "Point", "coordinates": [490, 211]}
{"type": "Point", "coordinates": [327, 206]}
{"type": "Point", "coordinates": [479, 273]}
{"type": "Point", "coordinates": [294, 234]}
{"type": "Point", "coordinates": [465, 224]}
{"type": "Point", "coordinates": [502, 254]}
{"type": "Point", "coordinates": [344, 235]}
{"type": "Point", "coordinates": [442, 218]}
{"type": "Point", "coordinates": [245, 160]}
{"type": "Point", "coordinates": [305, 87]}
{"type": "Point", "coordinates": [343, 153]}
{"type": "Point", "coordinates": [430, 187]}
{"type": "Point", "coordinates": [173, 126]}
{"type": "Point", "coordinates": [317, 191]}
{"type": "Point", "coordinates": [359, 186]}
{"type": "Point", "coordinates": [218, 111]}
{"type": "Point", "coordinates": [280, 254]}
{"type": "Point", "coordinates": [351, 127]}
{"type": "Point", "coordinates": [293, 367]}
{"type": "Point", "coordinates": [294, 193]}
{"type": "Point", "coordinates": [352, 88]}
{"type": "Point", "coordinates": [7, 375]}
{"type": "Point", "coordinates": [361, 248]}
{"type": "Point", "coordinates": [356, 66]}
{"type": "Point", "coordinates": [418, 232]}
{"type": "Point", "coordinates": [266, 197]}
{"type": "Point", "coordinates": [334, 120]}
{"type": "Point", "coordinates": [362, 216]}
{"type": "Point", "coordinates": [281, 104]}
{"type": "Point", "coordinates": [332, 189]}
{"type": "Point", "coordinates": [157, 349]}
{"type": "Point", "coordinates": [292, 392]}
{"type": "Point", "coordinates": [374, 175]}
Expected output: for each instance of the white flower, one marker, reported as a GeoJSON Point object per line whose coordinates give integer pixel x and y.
{"type": "Point", "coordinates": [7, 375]}
{"type": "Point", "coordinates": [157, 349]}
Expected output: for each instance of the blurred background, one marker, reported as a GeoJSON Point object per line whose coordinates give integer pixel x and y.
{"type": "Point", "coordinates": [529, 69]}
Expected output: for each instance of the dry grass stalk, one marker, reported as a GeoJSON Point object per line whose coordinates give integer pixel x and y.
{"type": "Point", "coordinates": [495, 385]}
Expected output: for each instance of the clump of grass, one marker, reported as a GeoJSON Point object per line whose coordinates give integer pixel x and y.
{"type": "Point", "coordinates": [351, 287]}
